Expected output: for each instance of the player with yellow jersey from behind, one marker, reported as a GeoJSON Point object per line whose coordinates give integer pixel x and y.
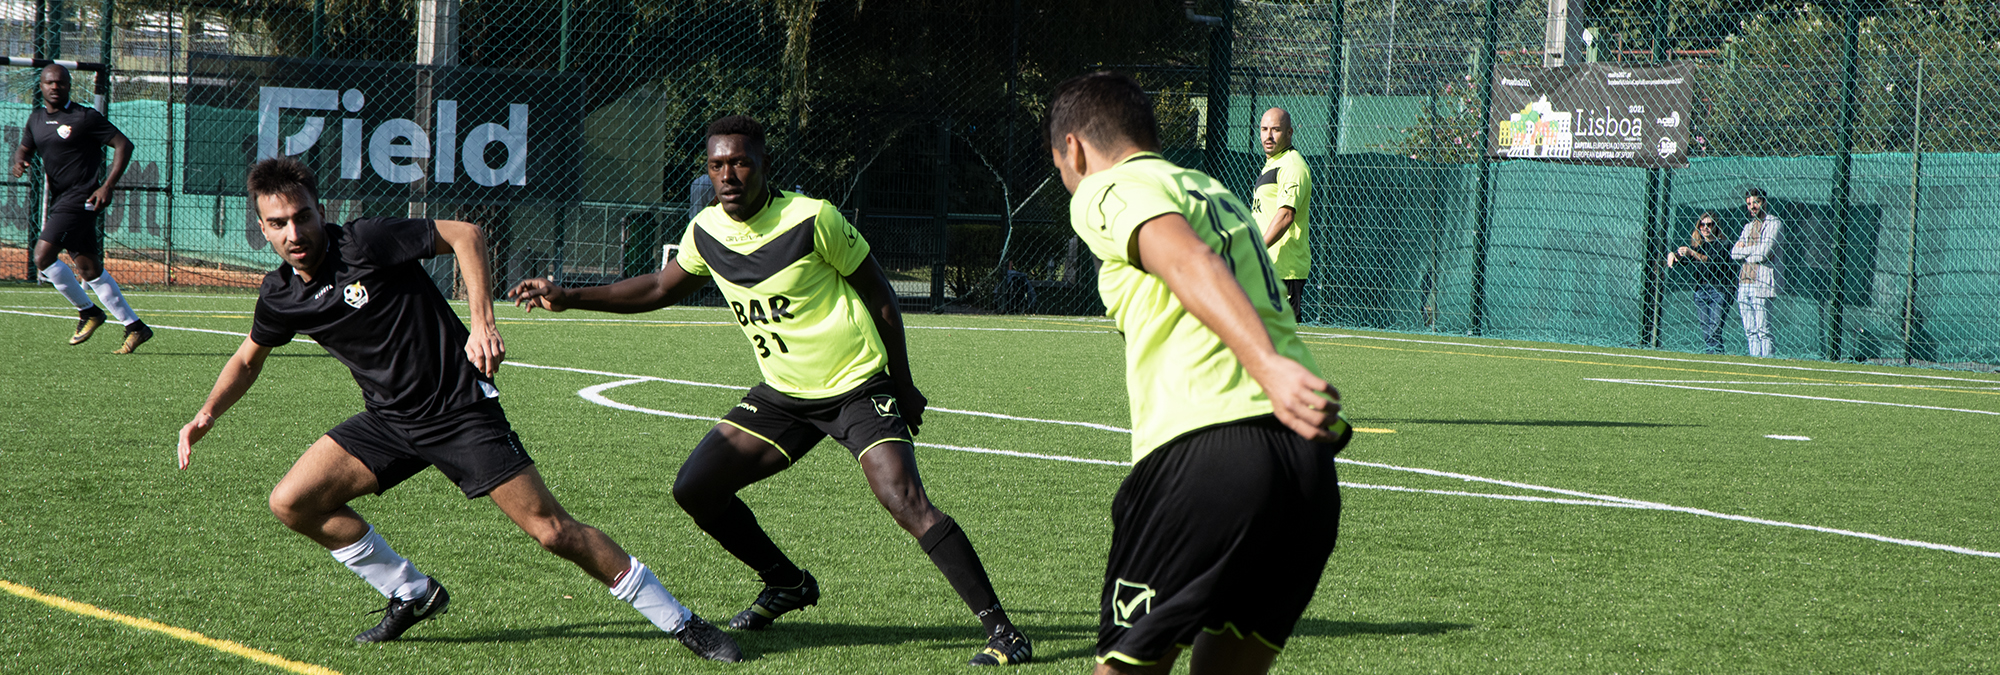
{"type": "Point", "coordinates": [1223, 527]}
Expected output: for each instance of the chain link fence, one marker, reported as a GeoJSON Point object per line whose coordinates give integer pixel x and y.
{"type": "Point", "coordinates": [571, 130]}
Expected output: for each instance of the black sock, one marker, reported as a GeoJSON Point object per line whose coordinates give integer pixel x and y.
{"type": "Point", "coordinates": [736, 529]}
{"type": "Point", "coordinates": [952, 553]}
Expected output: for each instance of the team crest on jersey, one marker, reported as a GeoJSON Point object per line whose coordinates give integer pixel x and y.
{"type": "Point", "coordinates": [355, 294]}
{"type": "Point", "coordinates": [1131, 602]}
{"type": "Point", "coordinates": [63, 131]}
{"type": "Point", "coordinates": [885, 405]}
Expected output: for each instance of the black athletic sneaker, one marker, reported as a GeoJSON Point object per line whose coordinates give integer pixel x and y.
{"type": "Point", "coordinates": [400, 615]}
{"type": "Point", "coordinates": [87, 322]}
{"type": "Point", "coordinates": [775, 601]}
{"type": "Point", "coordinates": [707, 641]}
{"type": "Point", "coordinates": [135, 335]}
{"type": "Point", "coordinates": [1008, 647]}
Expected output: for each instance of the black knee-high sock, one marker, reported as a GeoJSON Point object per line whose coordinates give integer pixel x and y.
{"type": "Point", "coordinates": [736, 529]}
{"type": "Point", "coordinates": [952, 553]}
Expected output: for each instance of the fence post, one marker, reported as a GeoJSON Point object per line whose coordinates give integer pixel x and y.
{"type": "Point", "coordinates": [1916, 183]}
{"type": "Point", "coordinates": [1219, 57]}
{"type": "Point", "coordinates": [1336, 87]}
{"type": "Point", "coordinates": [1659, 190]}
{"type": "Point", "coordinates": [942, 211]}
{"type": "Point", "coordinates": [1843, 168]}
{"type": "Point", "coordinates": [1482, 210]}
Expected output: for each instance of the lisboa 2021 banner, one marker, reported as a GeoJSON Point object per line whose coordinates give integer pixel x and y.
{"type": "Point", "coordinates": [1594, 113]}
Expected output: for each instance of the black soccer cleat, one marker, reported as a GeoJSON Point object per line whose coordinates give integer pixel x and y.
{"type": "Point", "coordinates": [135, 335]}
{"type": "Point", "coordinates": [1007, 647]}
{"type": "Point", "coordinates": [707, 641]}
{"type": "Point", "coordinates": [87, 322]}
{"type": "Point", "coordinates": [400, 615]}
{"type": "Point", "coordinates": [775, 601]}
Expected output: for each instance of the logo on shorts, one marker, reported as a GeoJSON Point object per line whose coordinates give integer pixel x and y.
{"type": "Point", "coordinates": [63, 131]}
{"type": "Point", "coordinates": [355, 294]}
{"type": "Point", "coordinates": [1131, 602]}
{"type": "Point", "coordinates": [746, 406]}
{"type": "Point", "coordinates": [885, 405]}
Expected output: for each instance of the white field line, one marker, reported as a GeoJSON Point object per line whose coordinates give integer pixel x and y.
{"type": "Point", "coordinates": [1584, 498]}
{"type": "Point", "coordinates": [1932, 387]}
{"type": "Point", "coordinates": [1578, 352]}
{"type": "Point", "coordinates": [1802, 396]}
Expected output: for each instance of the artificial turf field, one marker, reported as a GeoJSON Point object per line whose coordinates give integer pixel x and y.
{"type": "Point", "coordinates": [1515, 508]}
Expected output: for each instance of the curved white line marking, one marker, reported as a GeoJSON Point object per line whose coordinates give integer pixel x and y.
{"type": "Point", "coordinates": [1588, 499]}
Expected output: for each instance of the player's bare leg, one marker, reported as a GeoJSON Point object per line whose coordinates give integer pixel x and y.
{"type": "Point", "coordinates": [312, 498]}
{"type": "Point", "coordinates": [1161, 667]}
{"type": "Point", "coordinates": [891, 469]}
{"type": "Point", "coordinates": [1229, 654]}
{"type": "Point", "coordinates": [526, 500]}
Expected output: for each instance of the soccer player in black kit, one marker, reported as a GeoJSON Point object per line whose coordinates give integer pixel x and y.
{"type": "Point", "coordinates": [70, 139]}
{"type": "Point", "coordinates": [361, 292]}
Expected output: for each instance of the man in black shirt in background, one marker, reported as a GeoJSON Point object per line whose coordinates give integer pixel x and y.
{"type": "Point", "coordinates": [360, 291]}
{"type": "Point", "coordinates": [70, 139]}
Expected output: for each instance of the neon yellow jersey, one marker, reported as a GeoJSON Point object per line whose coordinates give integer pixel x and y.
{"type": "Point", "coordinates": [1285, 181]}
{"type": "Point", "coordinates": [1178, 374]}
{"type": "Point", "coordinates": [784, 275]}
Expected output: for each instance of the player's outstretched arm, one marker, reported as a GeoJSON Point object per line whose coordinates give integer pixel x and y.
{"type": "Point", "coordinates": [644, 293]}
{"type": "Point", "coordinates": [466, 241]}
{"type": "Point", "coordinates": [237, 375]}
{"type": "Point", "coordinates": [121, 154]}
{"type": "Point", "coordinates": [879, 297]}
{"type": "Point", "coordinates": [1169, 249]}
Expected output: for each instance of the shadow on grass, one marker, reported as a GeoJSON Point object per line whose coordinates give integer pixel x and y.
{"type": "Point", "coordinates": [1339, 629]}
{"type": "Point", "coordinates": [1527, 423]}
{"type": "Point", "coordinates": [786, 637]}
{"type": "Point", "coordinates": [1079, 637]}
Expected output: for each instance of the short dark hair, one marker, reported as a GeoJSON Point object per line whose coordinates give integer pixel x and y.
{"type": "Point", "coordinates": [1105, 108]}
{"type": "Point", "coordinates": [282, 176]}
{"type": "Point", "coordinates": [737, 125]}
{"type": "Point", "coordinates": [1754, 192]}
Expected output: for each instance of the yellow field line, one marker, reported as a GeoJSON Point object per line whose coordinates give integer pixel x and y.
{"type": "Point", "coordinates": [94, 611]}
{"type": "Point", "coordinates": [1635, 365]}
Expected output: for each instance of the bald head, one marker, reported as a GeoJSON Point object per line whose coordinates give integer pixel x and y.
{"type": "Point", "coordinates": [1275, 130]}
{"type": "Point", "coordinates": [55, 86]}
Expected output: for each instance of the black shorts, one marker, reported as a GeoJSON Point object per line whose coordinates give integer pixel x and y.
{"type": "Point", "coordinates": [73, 231]}
{"type": "Point", "coordinates": [473, 446]}
{"type": "Point", "coordinates": [860, 419]}
{"type": "Point", "coordinates": [1223, 529]}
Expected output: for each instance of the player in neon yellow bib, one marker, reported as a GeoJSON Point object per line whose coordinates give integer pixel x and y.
{"type": "Point", "coordinates": [1282, 203]}
{"type": "Point", "coordinates": [824, 327]}
{"type": "Point", "coordinates": [1222, 529]}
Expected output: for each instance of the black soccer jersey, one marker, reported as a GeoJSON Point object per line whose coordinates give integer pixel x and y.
{"type": "Point", "coordinates": [71, 144]}
{"type": "Point", "coordinates": [372, 306]}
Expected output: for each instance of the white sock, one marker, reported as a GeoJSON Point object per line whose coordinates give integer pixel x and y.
{"type": "Point", "coordinates": [113, 301]}
{"type": "Point", "coordinates": [382, 568]}
{"type": "Point", "coordinates": [644, 591]}
{"type": "Point", "coordinates": [60, 276]}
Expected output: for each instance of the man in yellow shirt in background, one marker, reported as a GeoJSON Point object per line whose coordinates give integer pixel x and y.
{"type": "Point", "coordinates": [1281, 201]}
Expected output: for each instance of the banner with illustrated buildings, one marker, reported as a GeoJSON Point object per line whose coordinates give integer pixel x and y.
{"type": "Point", "coordinates": [1595, 113]}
